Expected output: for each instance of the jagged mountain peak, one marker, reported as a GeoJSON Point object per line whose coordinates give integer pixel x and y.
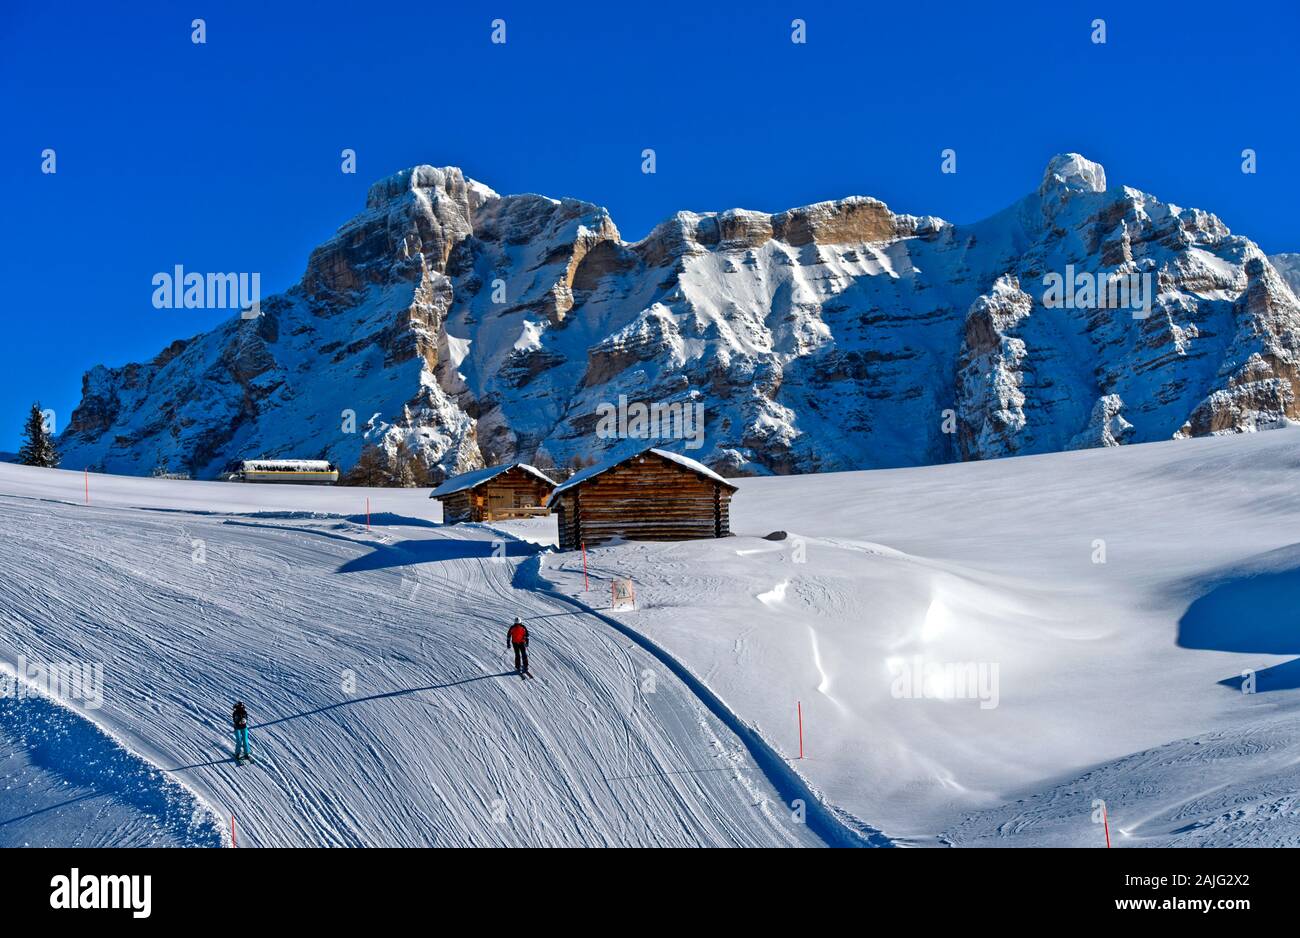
{"type": "Point", "coordinates": [1072, 172]}
{"type": "Point", "coordinates": [473, 328]}
{"type": "Point", "coordinates": [425, 178]}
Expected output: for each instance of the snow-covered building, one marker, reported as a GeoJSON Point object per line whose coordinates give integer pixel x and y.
{"type": "Point", "coordinates": [291, 471]}
{"type": "Point", "coordinates": [513, 490]}
{"type": "Point", "coordinates": [655, 495]}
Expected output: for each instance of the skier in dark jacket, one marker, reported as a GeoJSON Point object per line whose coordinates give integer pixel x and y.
{"type": "Point", "coordinates": [239, 716]}
{"type": "Point", "coordinates": [517, 638]}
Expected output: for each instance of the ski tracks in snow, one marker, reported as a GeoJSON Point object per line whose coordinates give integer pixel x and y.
{"type": "Point", "coordinates": [383, 710]}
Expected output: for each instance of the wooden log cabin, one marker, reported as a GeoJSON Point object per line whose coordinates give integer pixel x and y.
{"type": "Point", "coordinates": [516, 490]}
{"type": "Point", "coordinates": [655, 495]}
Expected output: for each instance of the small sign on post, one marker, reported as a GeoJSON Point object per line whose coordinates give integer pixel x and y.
{"type": "Point", "coordinates": [622, 592]}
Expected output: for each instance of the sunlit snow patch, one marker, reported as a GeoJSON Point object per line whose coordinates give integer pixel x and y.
{"type": "Point", "coordinates": [775, 595]}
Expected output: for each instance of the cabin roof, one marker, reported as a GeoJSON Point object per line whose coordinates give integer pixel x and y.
{"type": "Point", "coordinates": [476, 478]}
{"type": "Point", "coordinates": [291, 465]}
{"type": "Point", "coordinates": [684, 461]}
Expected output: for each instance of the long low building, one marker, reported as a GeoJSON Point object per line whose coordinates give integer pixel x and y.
{"type": "Point", "coordinates": [515, 490]}
{"type": "Point", "coordinates": [655, 495]}
{"type": "Point", "coordinates": [293, 471]}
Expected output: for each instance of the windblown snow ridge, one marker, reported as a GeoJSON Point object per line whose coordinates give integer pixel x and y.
{"type": "Point", "coordinates": [836, 827]}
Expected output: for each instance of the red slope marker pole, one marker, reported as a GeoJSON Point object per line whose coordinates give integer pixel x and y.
{"type": "Point", "coordinates": [585, 585]}
{"type": "Point", "coordinates": [799, 708]}
{"type": "Point", "coordinates": [233, 841]}
{"type": "Point", "coordinates": [1105, 822]}
{"type": "Point", "coordinates": [367, 512]}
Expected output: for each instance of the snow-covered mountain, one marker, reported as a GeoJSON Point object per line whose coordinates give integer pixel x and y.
{"type": "Point", "coordinates": [477, 327]}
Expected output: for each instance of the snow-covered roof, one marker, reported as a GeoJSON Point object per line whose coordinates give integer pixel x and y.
{"type": "Point", "coordinates": [288, 465]}
{"type": "Point", "coordinates": [471, 479]}
{"type": "Point", "coordinates": [684, 461]}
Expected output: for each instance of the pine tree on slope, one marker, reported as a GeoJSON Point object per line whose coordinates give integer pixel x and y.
{"type": "Point", "coordinates": [38, 446]}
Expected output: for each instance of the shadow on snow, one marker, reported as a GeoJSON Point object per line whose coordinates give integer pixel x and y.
{"type": "Point", "coordinates": [1253, 609]}
{"type": "Point", "coordinates": [384, 696]}
{"type": "Point", "coordinates": [72, 749]}
{"type": "Point", "coordinates": [437, 551]}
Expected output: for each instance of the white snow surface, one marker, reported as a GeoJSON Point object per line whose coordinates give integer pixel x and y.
{"type": "Point", "coordinates": [439, 743]}
{"type": "Point", "coordinates": [1116, 680]}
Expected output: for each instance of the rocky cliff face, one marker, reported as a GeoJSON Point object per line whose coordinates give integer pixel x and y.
{"type": "Point", "coordinates": [477, 328]}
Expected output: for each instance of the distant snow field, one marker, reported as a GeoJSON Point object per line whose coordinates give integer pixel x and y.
{"type": "Point", "coordinates": [981, 654]}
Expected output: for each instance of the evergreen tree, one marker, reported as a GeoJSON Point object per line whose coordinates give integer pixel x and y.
{"type": "Point", "coordinates": [38, 446]}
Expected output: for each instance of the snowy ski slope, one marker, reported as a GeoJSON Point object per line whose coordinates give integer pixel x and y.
{"type": "Point", "coordinates": [1116, 680]}
{"type": "Point", "coordinates": [439, 744]}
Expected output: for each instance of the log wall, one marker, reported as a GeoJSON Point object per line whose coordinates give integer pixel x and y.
{"type": "Point", "coordinates": [496, 498]}
{"type": "Point", "coordinates": [646, 498]}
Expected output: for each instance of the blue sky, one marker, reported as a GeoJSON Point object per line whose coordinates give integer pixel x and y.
{"type": "Point", "coordinates": [225, 156]}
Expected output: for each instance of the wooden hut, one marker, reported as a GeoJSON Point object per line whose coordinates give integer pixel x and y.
{"type": "Point", "coordinates": [516, 490]}
{"type": "Point", "coordinates": [655, 495]}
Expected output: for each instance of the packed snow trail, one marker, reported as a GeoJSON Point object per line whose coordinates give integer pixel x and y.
{"type": "Point", "coordinates": [439, 743]}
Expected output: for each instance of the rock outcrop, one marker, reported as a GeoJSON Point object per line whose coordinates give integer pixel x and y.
{"type": "Point", "coordinates": [474, 328]}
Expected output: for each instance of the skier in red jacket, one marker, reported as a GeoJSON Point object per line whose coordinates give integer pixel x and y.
{"type": "Point", "coordinates": [517, 638]}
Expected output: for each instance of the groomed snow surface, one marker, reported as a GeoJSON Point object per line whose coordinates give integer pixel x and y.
{"type": "Point", "coordinates": [1080, 622]}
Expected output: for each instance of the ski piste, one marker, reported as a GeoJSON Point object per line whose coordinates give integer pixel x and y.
{"type": "Point", "coordinates": [412, 665]}
{"type": "Point", "coordinates": [969, 518]}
